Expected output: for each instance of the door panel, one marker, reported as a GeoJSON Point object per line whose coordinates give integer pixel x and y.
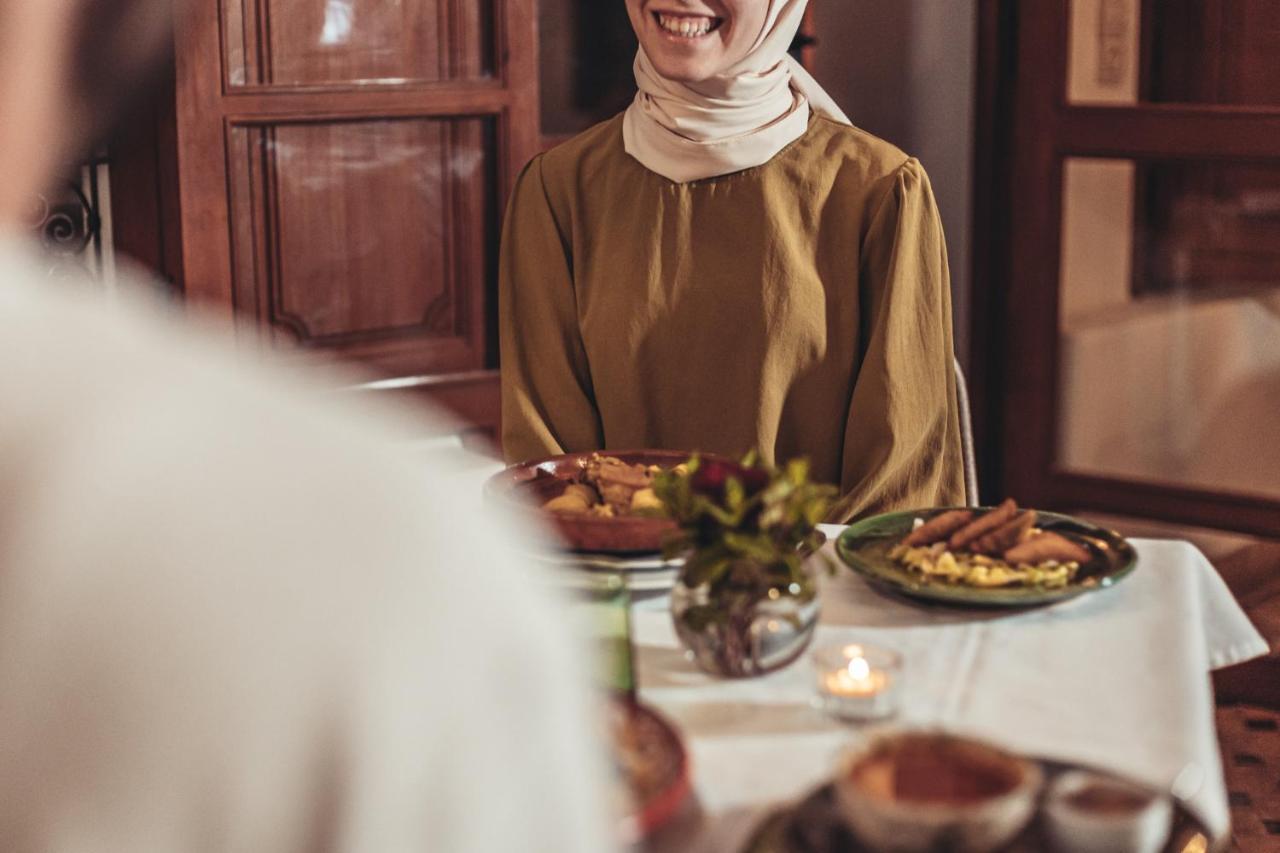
{"type": "Point", "coordinates": [1174, 51]}
{"type": "Point", "coordinates": [402, 207]}
{"type": "Point", "coordinates": [297, 43]}
{"type": "Point", "coordinates": [343, 168]}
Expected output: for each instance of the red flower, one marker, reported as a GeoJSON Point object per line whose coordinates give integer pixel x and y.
{"type": "Point", "coordinates": [712, 475]}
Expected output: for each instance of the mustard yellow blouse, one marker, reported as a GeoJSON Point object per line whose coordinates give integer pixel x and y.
{"type": "Point", "coordinates": [800, 308]}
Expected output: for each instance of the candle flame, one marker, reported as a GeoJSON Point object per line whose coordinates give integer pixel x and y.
{"type": "Point", "coordinates": [859, 669]}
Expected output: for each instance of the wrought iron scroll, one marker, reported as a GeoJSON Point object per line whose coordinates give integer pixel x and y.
{"type": "Point", "coordinates": [68, 219]}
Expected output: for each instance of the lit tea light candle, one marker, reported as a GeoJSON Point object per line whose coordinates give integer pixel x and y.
{"type": "Point", "coordinates": [856, 679]}
{"type": "Point", "coordinates": [858, 682]}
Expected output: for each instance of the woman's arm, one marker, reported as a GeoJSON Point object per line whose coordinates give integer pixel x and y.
{"type": "Point", "coordinates": [902, 438]}
{"type": "Point", "coordinates": [548, 404]}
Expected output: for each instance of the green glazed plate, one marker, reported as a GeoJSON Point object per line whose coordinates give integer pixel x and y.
{"type": "Point", "coordinates": [864, 548]}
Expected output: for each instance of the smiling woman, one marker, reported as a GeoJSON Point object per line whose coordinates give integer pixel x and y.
{"type": "Point", "coordinates": [729, 265]}
{"type": "Point", "coordinates": [718, 93]}
{"type": "Point", "coordinates": [687, 26]}
{"type": "Point", "coordinates": [690, 41]}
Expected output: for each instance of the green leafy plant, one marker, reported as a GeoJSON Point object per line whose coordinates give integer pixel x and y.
{"type": "Point", "coordinates": [747, 511]}
{"type": "Point", "coordinates": [747, 530]}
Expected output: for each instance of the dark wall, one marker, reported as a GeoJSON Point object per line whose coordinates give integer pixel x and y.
{"type": "Point", "coordinates": [904, 70]}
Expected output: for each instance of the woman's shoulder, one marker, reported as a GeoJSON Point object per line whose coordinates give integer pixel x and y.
{"type": "Point", "coordinates": [860, 156]}
{"type": "Point", "coordinates": [596, 148]}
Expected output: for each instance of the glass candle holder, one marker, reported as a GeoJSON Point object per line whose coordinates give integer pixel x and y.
{"type": "Point", "coordinates": [857, 682]}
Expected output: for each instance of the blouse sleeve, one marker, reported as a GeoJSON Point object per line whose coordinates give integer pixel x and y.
{"type": "Point", "coordinates": [548, 405]}
{"type": "Point", "coordinates": [902, 437]}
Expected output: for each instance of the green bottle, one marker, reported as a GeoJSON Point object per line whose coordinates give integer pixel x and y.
{"type": "Point", "coordinates": [607, 612]}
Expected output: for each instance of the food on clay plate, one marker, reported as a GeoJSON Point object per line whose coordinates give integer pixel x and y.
{"type": "Point", "coordinates": [650, 770]}
{"type": "Point", "coordinates": [999, 547]}
{"type": "Point", "coordinates": [607, 487]}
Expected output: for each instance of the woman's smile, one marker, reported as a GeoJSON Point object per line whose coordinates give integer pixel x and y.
{"type": "Point", "coordinates": [693, 40]}
{"type": "Point", "coordinates": [686, 26]}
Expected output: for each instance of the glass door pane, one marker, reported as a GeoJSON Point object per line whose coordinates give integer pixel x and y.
{"type": "Point", "coordinates": [1169, 330]}
{"type": "Point", "coordinates": [1174, 51]}
{"type": "Point", "coordinates": [294, 43]}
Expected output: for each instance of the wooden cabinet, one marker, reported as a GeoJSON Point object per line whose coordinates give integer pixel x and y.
{"type": "Point", "coordinates": [334, 173]}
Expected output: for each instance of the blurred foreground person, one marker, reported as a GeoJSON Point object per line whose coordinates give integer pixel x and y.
{"type": "Point", "coordinates": [232, 616]}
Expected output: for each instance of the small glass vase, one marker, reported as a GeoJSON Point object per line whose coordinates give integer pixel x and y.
{"type": "Point", "coordinates": [750, 620]}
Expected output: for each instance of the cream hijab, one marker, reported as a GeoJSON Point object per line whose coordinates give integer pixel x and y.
{"type": "Point", "coordinates": [736, 120]}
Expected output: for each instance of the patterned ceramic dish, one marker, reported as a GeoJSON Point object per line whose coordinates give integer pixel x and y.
{"type": "Point", "coordinates": [865, 545]}
{"type": "Point", "coordinates": [652, 767]}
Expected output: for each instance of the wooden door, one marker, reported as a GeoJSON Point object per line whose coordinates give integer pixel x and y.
{"type": "Point", "coordinates": [1127, 258]}
{"type": "Point", "coordinates": [341, 170]}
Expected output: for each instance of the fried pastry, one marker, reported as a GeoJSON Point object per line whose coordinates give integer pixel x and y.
{"type": "Point", "coordinates": [1045, 547]}
{"type": "Point", "coordinates": [984, 524]}
{"type": "Point", "coordinates": [939, 527]}
{"type": "Point", "coordinates": [1000, 548]}
{"type": "Point", "coordinates": [1006, 536]}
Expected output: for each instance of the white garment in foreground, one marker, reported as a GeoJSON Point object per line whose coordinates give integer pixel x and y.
{"type": "Point", "coordinates": [234, 617]}
{"type": "Point", "coordinates": [1117, 679]}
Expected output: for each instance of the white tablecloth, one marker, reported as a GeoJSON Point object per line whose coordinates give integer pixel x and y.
{"type": "Point", "coordinates": [1117, 679]}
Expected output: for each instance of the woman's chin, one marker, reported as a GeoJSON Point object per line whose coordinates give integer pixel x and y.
{"type": "Point", "coordinates": [683, 69]}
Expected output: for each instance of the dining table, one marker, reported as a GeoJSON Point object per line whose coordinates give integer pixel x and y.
{"type": "Point", "coordinates": [1116, 679]}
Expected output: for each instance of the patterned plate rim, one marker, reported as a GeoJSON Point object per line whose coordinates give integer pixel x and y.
{"type": "Point", "coordinates": [962, 596]}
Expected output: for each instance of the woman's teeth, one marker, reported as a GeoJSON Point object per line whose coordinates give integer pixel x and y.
{"type": "Point", "coordinates": [688, 27]}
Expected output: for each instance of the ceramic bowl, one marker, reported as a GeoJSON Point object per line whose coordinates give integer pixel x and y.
{"type": "Point", "coordinates": [1090, 813]}
{"type": "Point", "coordinates": [911, 791]}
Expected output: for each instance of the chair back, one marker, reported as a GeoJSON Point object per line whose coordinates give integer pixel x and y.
{"type": "Point", "coordinates": [966, 437]}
